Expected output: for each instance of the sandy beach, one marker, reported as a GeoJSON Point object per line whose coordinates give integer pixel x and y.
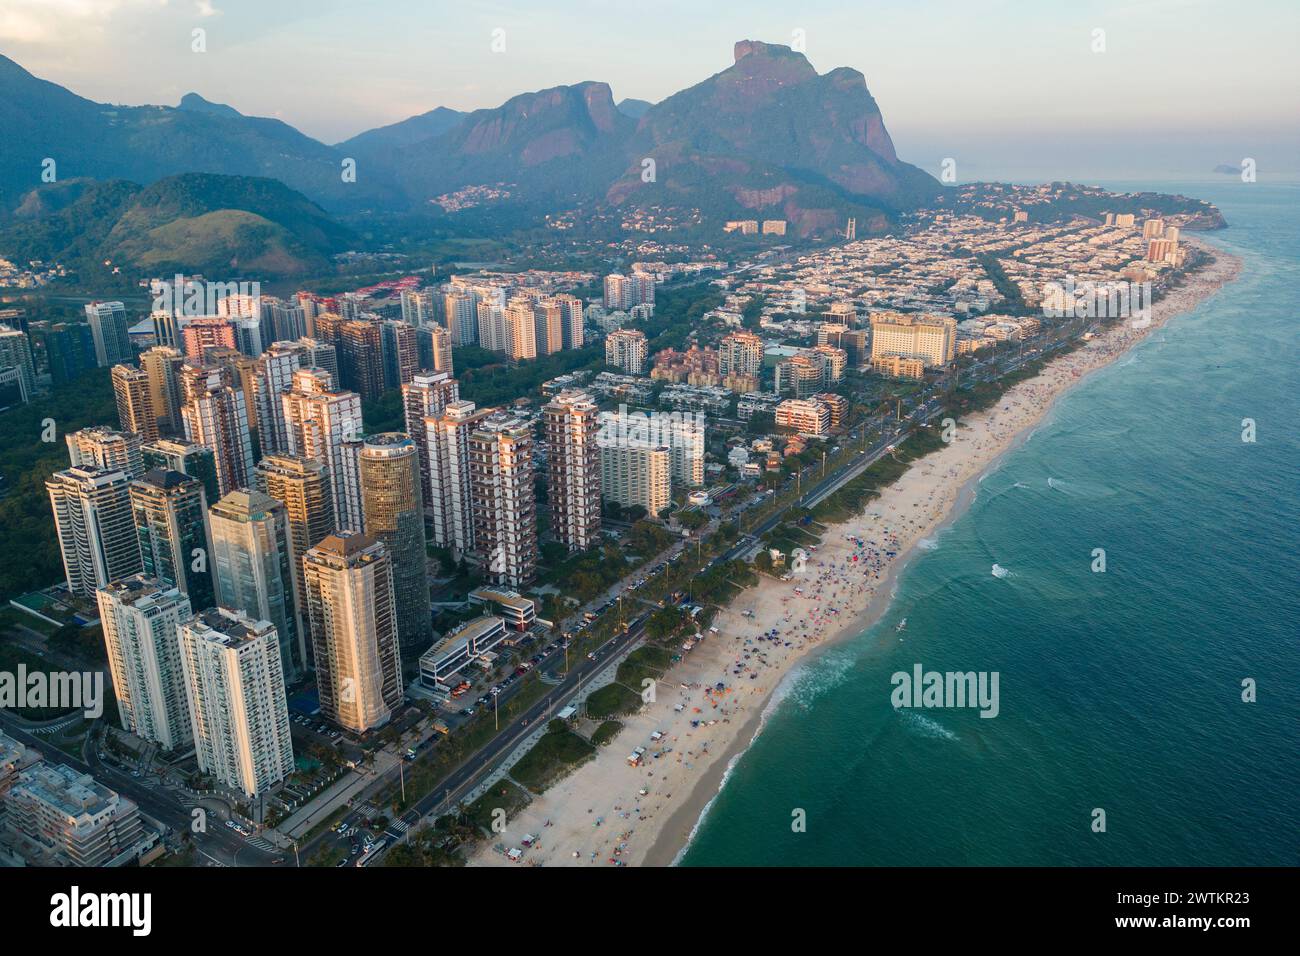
{"type": "Point", "coordinates": [609, 811]}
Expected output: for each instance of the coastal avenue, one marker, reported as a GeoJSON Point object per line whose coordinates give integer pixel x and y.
{"type": "Point", "coordinates": [453, 788]}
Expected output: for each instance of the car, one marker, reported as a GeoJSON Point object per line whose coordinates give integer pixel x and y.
{"type": "Point", "coordinates": [231, 824]}
{"type": "Point", "coordinates": [495, 691]}
{"type": "Point", "coordinates": [468, 711]}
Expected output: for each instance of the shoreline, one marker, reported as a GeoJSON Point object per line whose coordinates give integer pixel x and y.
{"type": "Point", "coordinates": [851, 580]}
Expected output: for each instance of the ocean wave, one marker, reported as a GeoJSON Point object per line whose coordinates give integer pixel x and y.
{"type": "Point", "coordinates": [1000, 572]}
{"type": "Point", "coordinates": [926, 726]}
{"type": "Point", "coordinates": [928, 544]}
{"type": "Point", "coordinates": [704, 812]}
{"type": "Point", "coordinates": [810, 680]}
{"type": "Point", "coordinates": [1055, 483]}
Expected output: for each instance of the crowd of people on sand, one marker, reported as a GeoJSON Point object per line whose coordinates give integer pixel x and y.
{"type": "Point", "coordinates": [783, 619]}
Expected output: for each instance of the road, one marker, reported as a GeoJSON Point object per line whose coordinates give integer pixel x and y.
{"type": "Point", "coordinates": [219, 845]}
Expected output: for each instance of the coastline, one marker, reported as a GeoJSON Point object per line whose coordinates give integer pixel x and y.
{"type": "Point", "coordinates": [599, 813]}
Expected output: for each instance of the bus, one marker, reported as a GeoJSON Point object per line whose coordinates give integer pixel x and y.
{"type": "Point", "coordinates": [369, 856]}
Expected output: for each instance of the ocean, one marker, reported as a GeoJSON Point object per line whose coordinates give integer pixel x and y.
{"type": "Point", "coordinates": [1119, 691]}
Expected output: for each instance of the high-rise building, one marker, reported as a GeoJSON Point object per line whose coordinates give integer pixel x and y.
{"type": "Point", "coordinates": [427, 395]}
{"type": "Point", "coordinates": [686, 443]}
{"type": "Point", "coordinates": [461, 311]}
{"type": "Point", "coordinates": [572, 320]}
{"type": "Point", "coordinates": [69, 350]}
{"type": "Point", "coordinates": [162, 366]}
{"type": "Point", "coordinates": [197, 461]}
{"type": "Point", "coordinates": [624, 292]}
{"type": "Point", "coordinates": [801, 375]}
{"type": "Point", "coordinates": [141, 618]}
{"type": "Point", "coordinates": [92, 517]}
{"type": "Point", "coordinates": [393, 506]}
{"type": "Point", "coordinates": [243, 372]}
{"type": "Point", "coordinates": [520, 330]}
{"type": "Point", "coordinates": [635, 474]}
{"type": "Point", "coordinates": [303, 486]}
{"type": "Point", "coordinates": [275, 368]}
{"type": "Point", "coordinates": [626, 349]}
{"type": "Point", "coordinates": [618, 292]}
{"type": "Point", "coordinates": [135, 411]}
{"type": "Point", "coordinates": [319, 423]}
{"type": "Point", "coordinates": [435, 348]}
{"type": "Point", "coordinates": [573, 458]}
{"type": "Point", "coordinates": [216, 417]}
{"type": "Point", "coordinates": [328, 330]}
{"type": "Point", "coordinates": [492, 332]}
{"type": "Point", "coordinates": [401, 352]}
{"type": "Point", "coordinates": [417, 307]}
{"type": "Point", "coordinates": [236, 694]}
{"type": "Point", "coordinates": [171, 525]}
{"type": "Point", "coordinates": [505, 507]}
{"type": "Point", "coordinates": [16, 352]}
{"type": "Point", "coordinates": [321, 355]}
{"type": "Point", "coordinates": [450, 497]}
{"type": "Point", "coordinates": [206, 332]}
{"type": "Point", "coordinates": [353, 626]}
{"type": "Point", "coordinates": [108, 328]}
{"type": "Point", "coordinates": [740, 353]}
{"type": "Point", "coordinates": [361, 358]}
{"type": "Point", "coordinates": [931, 338]}
{"type": "Point", "coordinates": [252, 563]}
{"type": "Point", "coordinates": [548, 321]}
{"type": "Point", "coordinates": [105, 448]}
{"type": "Point", "coordinates": [285, 321]}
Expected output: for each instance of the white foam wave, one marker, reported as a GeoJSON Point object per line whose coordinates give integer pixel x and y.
{"type": "Point", "coordinates": [1000, 572]}
{"type": "Point", "coordinates": [926, 726]}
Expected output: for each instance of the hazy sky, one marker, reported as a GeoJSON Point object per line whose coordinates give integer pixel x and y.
{"type": "Point", "coordinates": [1003, 87]}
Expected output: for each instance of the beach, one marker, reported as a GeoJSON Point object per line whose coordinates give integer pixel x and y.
{"type": "Point", "coordinates": [710, 706]}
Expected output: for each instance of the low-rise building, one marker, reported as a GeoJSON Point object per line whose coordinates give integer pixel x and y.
{"type": "Point", "coordinates": [459, 647]}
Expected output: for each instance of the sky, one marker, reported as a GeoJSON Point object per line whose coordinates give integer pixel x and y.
{"type": "Point", "coordinates": [1006, 88]}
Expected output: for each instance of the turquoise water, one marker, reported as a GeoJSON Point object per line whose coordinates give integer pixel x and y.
{"type": "Point", "coordinates": [1118, 690]}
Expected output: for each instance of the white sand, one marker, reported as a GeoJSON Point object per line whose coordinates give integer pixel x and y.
{"type": "Point", "coordinates": [597, 811]}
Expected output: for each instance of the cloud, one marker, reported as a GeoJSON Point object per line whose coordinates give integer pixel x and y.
{"type": "Point", "coordinates": [206, 9]}
{"type": "Point", "coordinates": [41, 21]}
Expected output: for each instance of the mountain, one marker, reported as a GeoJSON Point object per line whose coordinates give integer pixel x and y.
{"type": "Point", "coordinates": [222, 226]}
{"type": "Point", "coordinates": [197, 104]}
{"type": "Point", "coordinates": [557, 142]}
{"type": "Point", "coordinates": [767, 137]}
{"type": "Point", "coordinates": [634, 108]}
{"type": "Point", "coordinates": [40, 120]}
{"type": "Point", "coordinates": [771, 135]}
{"type": "Point", "coordinates": [408, 131]}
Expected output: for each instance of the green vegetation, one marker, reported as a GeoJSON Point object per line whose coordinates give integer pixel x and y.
{"type": "Point", "coordinates": [557, 754]}
{"type": "Point", "coordinates": [504, 795]}
{"type": "Point", "coordinates": [428, 847]}
{"type": "Point", "coordinates": [612, 700]}
{"type": "Point", "coordinates": [26, 461]}
{"type": "Point", "coordinates": [645, 663]}
{"type": "Point", "coordinates": [223, 226]}
{"type": "Point", "coordinates": [606, 732]}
